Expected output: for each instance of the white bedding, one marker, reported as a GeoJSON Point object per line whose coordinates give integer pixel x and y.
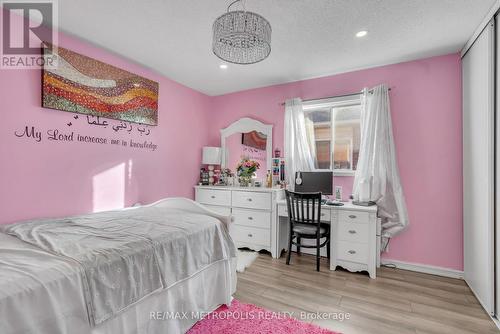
{"type": "Point", "coordinates": [39, 292]}
{"type": "Point", "coordinates": [44, 293]}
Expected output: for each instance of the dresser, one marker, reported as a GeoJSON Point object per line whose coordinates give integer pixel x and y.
{"type": "Point", "coordinates": [355, 236]}
{"type": "Point", "coordinates": [254, 213]}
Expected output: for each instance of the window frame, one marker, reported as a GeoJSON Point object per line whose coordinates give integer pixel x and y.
{"type": "Point", "coordinates": [332, 103]}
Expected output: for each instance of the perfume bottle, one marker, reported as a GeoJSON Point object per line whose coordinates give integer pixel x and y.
{"type": "Point", "coordinates": [269, 179]}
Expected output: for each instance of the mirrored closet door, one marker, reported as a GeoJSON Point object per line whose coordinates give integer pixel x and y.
{"type": "Point", "coordinates": [478, 77]}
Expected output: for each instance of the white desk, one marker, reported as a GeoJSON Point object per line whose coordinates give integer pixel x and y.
{"type": "Point", "coordinates": [355, 243]}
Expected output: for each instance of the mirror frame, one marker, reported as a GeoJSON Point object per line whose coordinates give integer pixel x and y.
{"type": "Point", "coordinates": [244, 125]}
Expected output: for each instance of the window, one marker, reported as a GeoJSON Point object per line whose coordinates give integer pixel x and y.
{"type": "Point", "coordinates": [334, 130]}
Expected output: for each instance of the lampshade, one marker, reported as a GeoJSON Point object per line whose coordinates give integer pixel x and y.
{"type": "Point", "coordinates": [211, 155]}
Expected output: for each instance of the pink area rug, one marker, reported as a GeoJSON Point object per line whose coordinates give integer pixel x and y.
{"type": "Point", "coordinates": [244, 318]}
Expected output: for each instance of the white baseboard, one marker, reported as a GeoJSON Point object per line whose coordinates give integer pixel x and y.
{"type": "Point", "coordinates": [423, 268]}
{"type": "Point", "coordinates": [495, 320]}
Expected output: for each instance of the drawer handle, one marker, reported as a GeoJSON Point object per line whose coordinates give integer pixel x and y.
{"type": "Point", "coordinates": [250, 235]}
{"type": "Point", "coordinates": [212, 196]}
{"type": "Point", "coordinates": [352, 216]}
{"type": "Point", "coordinates": [352, 252]}
{"type": "Point", "coordinates": [352, 231]}
{"type": "Point", "coordinates": [250, 218]}
{"type": "Point", "coordinates": [249, 199]}
{"type": "Point", "coordinates": [322, 215]}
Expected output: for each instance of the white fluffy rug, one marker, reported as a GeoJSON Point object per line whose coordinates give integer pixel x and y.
{"type": "Point", "coordinates": [245, 259]}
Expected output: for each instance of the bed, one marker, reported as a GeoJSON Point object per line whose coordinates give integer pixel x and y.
{"type": "Point", "coordinates": [157, 268]}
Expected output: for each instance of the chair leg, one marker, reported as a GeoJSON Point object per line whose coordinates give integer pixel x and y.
{"type": "Point", "coordinates": [289, 253]}
{"type": "Point", "coordinates": [317, 252]}
{"type": "Point", "coordinates": [298, 245]}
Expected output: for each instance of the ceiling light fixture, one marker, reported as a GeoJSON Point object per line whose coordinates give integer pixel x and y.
{"type": "Point", "coordinates": [361, 33]}
{"type": "Point", "coordinates": [241, 37]}
{"type": "Point", "coordinates": [223, 66]}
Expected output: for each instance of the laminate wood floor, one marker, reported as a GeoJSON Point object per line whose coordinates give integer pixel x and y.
{"type": "Point", "coordinates": [398, 301]}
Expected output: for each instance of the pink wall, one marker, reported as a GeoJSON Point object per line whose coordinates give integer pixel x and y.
{"type": "Point", "coordinates": [426, 113]}
{"type": "Point", "coordinates": [47, 178]}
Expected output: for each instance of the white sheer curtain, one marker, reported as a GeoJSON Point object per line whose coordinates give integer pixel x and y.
{"type": "Point", "coordinates": [312, 139]}
{"type": "Point", "coordinates": [377, 175]}
{"type": "Point", "coordinates": [299, 153]}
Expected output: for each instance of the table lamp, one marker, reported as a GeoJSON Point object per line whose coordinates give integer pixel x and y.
{"type": "Point", "coordinates": [211, 156]}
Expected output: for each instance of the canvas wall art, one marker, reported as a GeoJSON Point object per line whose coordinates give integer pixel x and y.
{"type": "Point", "coordinates": [84, 85]}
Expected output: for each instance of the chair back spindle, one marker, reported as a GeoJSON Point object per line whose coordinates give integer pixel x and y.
{"type": "Point", "coordinates": [304, 208]}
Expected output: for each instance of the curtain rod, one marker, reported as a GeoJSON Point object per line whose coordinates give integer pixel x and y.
{"type": "Point", "coordinates": [332, 97]}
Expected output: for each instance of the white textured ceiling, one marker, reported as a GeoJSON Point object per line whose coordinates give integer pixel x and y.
{"type": "Point", "coordinates": [311, 38]}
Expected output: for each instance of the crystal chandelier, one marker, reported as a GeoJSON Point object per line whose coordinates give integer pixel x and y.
{"type": "Point", "coordinates": [241, 37]}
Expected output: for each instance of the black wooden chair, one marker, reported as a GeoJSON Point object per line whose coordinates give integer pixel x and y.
{"type": "Point", "coordinates": [304, 214]}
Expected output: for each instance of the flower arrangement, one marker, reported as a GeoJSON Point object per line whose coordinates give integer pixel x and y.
{"type": "Point", "coordinates": [246, 169]}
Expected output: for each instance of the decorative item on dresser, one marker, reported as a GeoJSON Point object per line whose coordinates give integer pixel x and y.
{"type": "Point", "coordinates": [278, 169]}
{"type": "Point", "coordinates": [204, 177]}
{"type": "Point", "coordinates": [211, 156]}
{"type": "Point", "coordinates": [253, 210]}
{"type": "Point", "coordinates": [246, 170]}
{"type": "Point", "coordinates": [226, 176]}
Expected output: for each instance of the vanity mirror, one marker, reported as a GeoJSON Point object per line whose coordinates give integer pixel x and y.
{"type": "Point", "coordinates": [247, 138]}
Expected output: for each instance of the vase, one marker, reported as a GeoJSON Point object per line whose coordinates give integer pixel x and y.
{"type": "Point", "coordinates": [245, 180]}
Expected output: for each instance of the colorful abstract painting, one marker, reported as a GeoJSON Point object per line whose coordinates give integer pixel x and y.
{"type": "Point", "coordinates": [84, 85]}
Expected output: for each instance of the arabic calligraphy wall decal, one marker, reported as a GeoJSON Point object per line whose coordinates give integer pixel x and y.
{"type": "Point", "coordinates": [58, 135]}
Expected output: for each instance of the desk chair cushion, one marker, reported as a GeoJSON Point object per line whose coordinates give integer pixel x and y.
{"type": "Point", "coordinates": [307, 229]}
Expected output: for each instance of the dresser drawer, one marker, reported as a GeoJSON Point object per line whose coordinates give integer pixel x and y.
{"type": "Point", "coordinates": [252, 200]}
{"type": "Point", "coordinates": [252, 218]}
{"type": "Point", "coordinates": [352, 251]}
{"type": "Point", "coordinates": [250, 235]}
{"type": "Point", "coordinates": [213, 196]}
{"type": "Point", "coordinates": [325, 214]}
{"type": "Point", "coordinates": [354, 216]}
{"type": "Point", "coordinates": [221, 210]}
{"type": "Point", "coordinates": [282, 211]}
{"type": "Point", "coordinates": [354, 232]}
